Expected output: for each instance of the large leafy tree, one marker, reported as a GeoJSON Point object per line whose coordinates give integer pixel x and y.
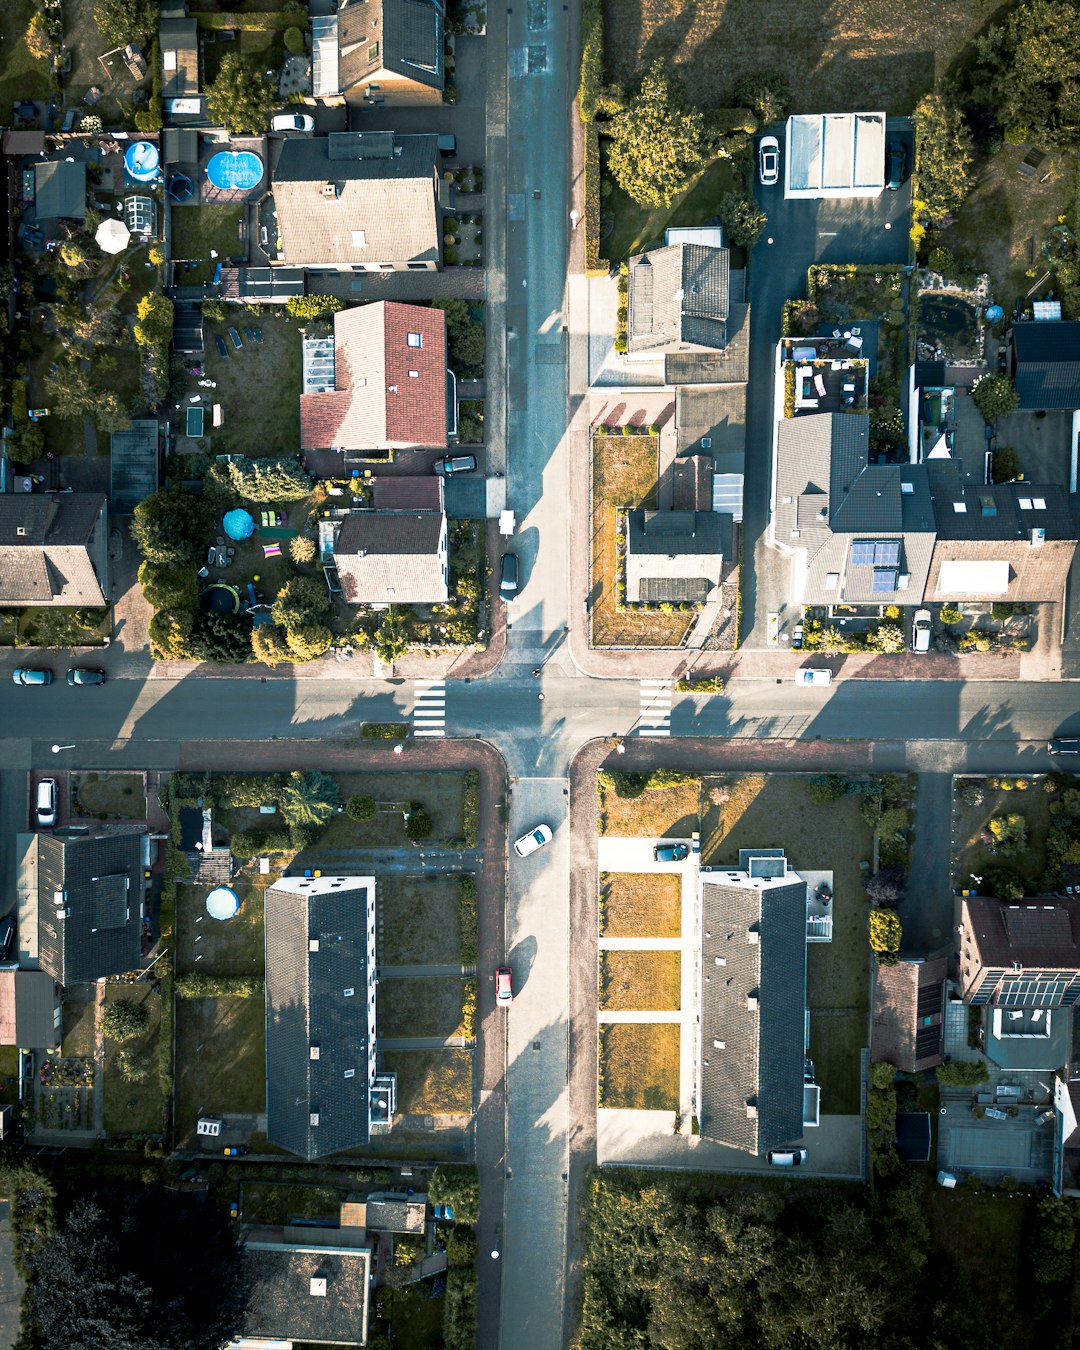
{"type": "Point", "coordinates": [766, 92]}
{"type": "Point", "coordinates": [124, 1019]}
{"type": "Point", "coordinates": [302, 601]}
{"type": "Point", "coordinates": [995, 396]}
{"type": "Point", "coordinates": [241, 97]}
{"type": "Point", "coordinates": [124, 21]}
{"type": "Point", "coordinates": [943, 155]}
{"type": "Point", "coordinates": [657, 142]}
{"type": "Point", "coordinates": [154, 320]}
{"type": "Point", "coordinates": [72, 393]}
{"type": "Point", "coordinates": [308, 798]}
{"type": "Point", "coordinates": [1026, 74]}
{"type": "Point", "coordinates": [170, 527]}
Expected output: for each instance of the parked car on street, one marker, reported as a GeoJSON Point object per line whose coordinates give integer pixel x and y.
{"type": "Point", "coordinates": [455, 464]}
{"type": "Point", "coordinates": [811, 676]}
{"type": "Point", "coordinates": [508, 577]}
{"type": "Point", "coordinates": [26, 676]}
{"type": "Point", "coordinates": [1063, 745]}
{"type": "Point", "coordinates": [768, 161]}
{"type": "Point", "coordinates": [787, 1157]}
{"type": "Point", "coordinates": [78, 676]}
{"type": "Point", "coordinates": [921, 631]}
{"type": "Point", "coordinates": [671, 852]}
{"type": "Point", "coordinates": [536, 838]}
{"type": "Point", "coordinates": [293, 122]}
{"type": "Point", "coordinates": [45, 803]}
{"type": "Point", "coordinates": [504, 990]}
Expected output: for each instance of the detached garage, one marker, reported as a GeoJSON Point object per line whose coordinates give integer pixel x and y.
{"type": "Point", "coordinates": [835, 155]}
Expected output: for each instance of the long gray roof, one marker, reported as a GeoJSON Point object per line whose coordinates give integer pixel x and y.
{"type": "Point", "coordinates": [406, 37]}
{"type": "Point", "coordinates": [308, 1009]}
{"type": "Point", "coordinates": [1047, 364]}
{"type": "Point", "coordinates": [753, 947]}
{"type": "Point", "coordinates": [678, 299]}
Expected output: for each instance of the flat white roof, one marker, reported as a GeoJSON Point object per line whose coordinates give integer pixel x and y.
{"type": "Point", "coordinates": [974, 578]}
{"type": "Point", "coordinates": [835, 155]}
{"type": "Point", "coordinates": [712, 236]}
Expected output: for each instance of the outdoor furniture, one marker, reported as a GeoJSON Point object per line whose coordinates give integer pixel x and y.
{"type": "Point", "coordinates": [271, 550]}
{"type": "Point", "coordinates": [819, 385]}
{"type": "Point", "coordinates": [211, 557]}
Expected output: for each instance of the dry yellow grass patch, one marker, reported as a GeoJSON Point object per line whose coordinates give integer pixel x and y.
{"type": "Point", "coordinates": [640, 981]}
{"type": "Point", "coordinates": [647, 904]}
{"type": "Point", "coordinates": [639, 1066]}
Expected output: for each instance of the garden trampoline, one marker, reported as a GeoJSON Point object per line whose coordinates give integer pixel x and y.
{"type": "Point", "coordinates": [195, 417]}
{"type": "Point", "coordinates": [221, 598]}
{"type": "Point", "coordinates": [234, 170]}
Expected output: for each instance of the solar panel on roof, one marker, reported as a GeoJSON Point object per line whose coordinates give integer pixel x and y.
{"type": "Point", "coordinates": [862, 553]}
{"type": "Point", "coordinates": [886, 553]}
{"type": "Point", "coordinates": [929, 1001]}
{"type": "Point", "coordinates": [883, 579]}
{"type": "Point", "coordinates": [928, 1042]}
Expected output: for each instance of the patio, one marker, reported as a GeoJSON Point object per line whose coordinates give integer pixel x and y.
{"type": "Point", "coordinates": [1020, 1146]}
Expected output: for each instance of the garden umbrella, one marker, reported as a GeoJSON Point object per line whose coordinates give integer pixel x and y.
{"type": "Point", "coordinates": [112, 236]}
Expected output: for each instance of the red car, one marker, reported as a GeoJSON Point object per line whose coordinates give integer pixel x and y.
{"type": "Point", "coordinates": [504, 993]}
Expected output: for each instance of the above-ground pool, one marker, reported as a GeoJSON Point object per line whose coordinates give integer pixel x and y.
{"type": "Point", "coordinates": [235, 170]}
{"type": "Point", "coordinates": [141, 161]}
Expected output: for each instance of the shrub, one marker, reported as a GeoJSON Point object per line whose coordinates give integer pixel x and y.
{"type": "Point", "coordinates": [973, 796]}
{"type": "Point", "coordinates": [961, 1074]}
{"type": "Point", "coordinates": [949, 614]}
{"type": "Point", "coordinates": [995, 396]}
{"type": "Point", "coordinates": [1005, 884]}
{"type": "Point", "coordinates": [1005, 464]}
{"type": "Point", "coordinates": [123, 1020]}
{"type": "Point", "coordinates": [457, 1185]}
{"type": "Point", "coordinates": [384, 731]}
{"type": "Point", "coordinates": [825, 787]}
{"type": "Point", "coordinates": [361, 807]}
{"type": "Point", "coordinates": [594, 264]}
{"type": "Point", "coordinates": [461, 1246]}
{"type": "Point", "coordinates": [313, 306]}
{"type": "Point", "coordinates": [246, 844]}
{"type": "Point", "coordinates": [592, 58]}
{"type": "Point", "coordinates": [197, 985]}
{"type": "Point", "coordinates": [885, 934]}
{"type": "Point", "coordinates": [294, 41]}
{"type": "Point", "coordinates": [418, 823]}
{"type": "Point", "coordinates": [766, 92]}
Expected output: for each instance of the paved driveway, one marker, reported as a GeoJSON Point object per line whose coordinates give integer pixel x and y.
{"type": "Point", "coordinates": [857, 230]}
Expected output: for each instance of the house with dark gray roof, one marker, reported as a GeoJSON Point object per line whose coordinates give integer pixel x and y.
{"type": "Point", "coordinates": [908, 1024]}
{"type": "Point", "coordinates": [678, 299]}
{"type": "Point", "coordinates": [391, 52]}
{"type": "Point", "coordinates": [60, 189]}
{"type": "Point", "coordinates": [81, 901]}
{"type": "Point", "coordinates": [393, 557]}
{"type": "Point", "coordinates": [676, 556]}
{"type": "Point", "coordinates": [1044, 361]}
{"type": "Point", "coordinates": [752, 1003]}
{"type": "Point", "coordinates": [54, 550]}
{"type": "Point", "coordinates": [306, 1286]}
{"type": "Point", "coordinates": [320, 1015]}
{"type": "Point", "coordinates": [359, 202]}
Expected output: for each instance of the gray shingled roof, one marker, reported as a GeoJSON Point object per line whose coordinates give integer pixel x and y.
{"type": "Point", "coordinates": [352, 197]}
{"type": "Point", "coordinates": [60, 190]}
{"type": "Point", "coordinates": [678, 299]}
{"type": "Point", "coordinates": [405, 37]}
{"type": "Point", "coordinates": [392, 555]}
{"type": "Point", "coordinates": [729, 366]}
{"type": "Point", "coordinates": [100, 878]}
{"type": "Point", "coordinates": [53, 549]}
{"type": "Point", "coordinates": [752, 1057]}
{"type": "Point", "coordinates": [307, 1006]}
{"type": "Point", "coordinates": [675, 555]}
{"type": "Point", "coordinates": [1047, 364]}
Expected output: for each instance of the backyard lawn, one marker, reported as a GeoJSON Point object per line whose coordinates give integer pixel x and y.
{"type": "Point", "coordinates": [639, 1066]}
{"type": "Point", "coordinates": [258, 386]}
{"type": "Point", "coordinates": [627, 228]}
{"type": "Point", "coordinates": [972, 855]}
{"type": "Point", "coordinates": [423, 1006]}
{"type": "Point", "coordinates": [648, 904]}
{"type": "Point", "coordinates": [220, 1059]}
{"type": "Point", "coordinates": [866, 54]}
{"type": "Point", "coordinates": [273, 1203]}
{"type": "Point", "coordinates": [22, 76]}
{"type": "Point", "coordinates": [416, 1317]}
{"type": "Point", "coordinates": [108, 796]}
{"type": "Point", "coordinates": [441, 795]}
{"type": "Point", "coordinates": [431, 1082]}
{"type": "Point", "coordinates": [624, 475]}
{"type": "Point", "coordinates": [419, 920]}
{"type": "Point", "coordinates": [645, 981]}
{"type": "Point", "coordinates": [77, 1036]}
{"type": "Point", "coordinates": [200, 231]}
{"type": "Point", "coordinates": [134, 1107]}
{"type": "Point", "coordinates": [656, 813]}
{"type": "Point", "coordinates": [234, 947]}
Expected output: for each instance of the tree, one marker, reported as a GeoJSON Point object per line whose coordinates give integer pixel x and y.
{"type": "Point", "coordinates": [270, 645]}
{"type": "Point", "coordinates": [156, 255]}
{"type": "Point", "coordinates": [241, 97]}
{"type": "Point", "coordinates": [390, 642]}
{"type": "Point", "coordinates": [943, 155]}
{"type": "Point", "coordinates": [887, 886]}
{"type": "Point", "coordinates": [312, 306]}
{"type": "Point", "coordinates": [309, 798]}
{"type": "Point", "coordinates": [224, 639]}
{"type": "Point", "coordinates": [124, 21]}
{"type": "Point", "coordinates": [154, 320]}
{"type": "Point", "coordinates": [1052, 1246]}
{"type": "Point", "coordinates": [1005, 884]}
{"type": "Point", "coordinates": [1005, 464]}
{"type": "Point", "coordinates": [1026, 71]}
{"type": "Point", "coordinates": [885, 935]}
{"type": "Point", "coordinates": [302, 550]}
{"type": "Point", "coordinates": [168, 587]}
{"type": "Point", "coordinates": [742, 218]}
{"type": "Point", "coordinates": [766, 92]}
{"type": "Point", "coordinates": [170, 527]}
{"type": "Point", "coordinates": [75, 253]}
{"type": "Point", "coordinates": [39, 41]}
{"type": "Point", "coordinates": [309, 642]}
{"type": "Point", "coordinates": [361, 807]}
{"type": "Point", "coordinates": [457, 1185]}
{"type": "Point", "coordinates": [825, 787]}
{"type": "Point", "coordinates": [464, 336]}
{"type": "Point", "coordinates": [1008, 835]}
{"type": "Point", "coordinates": [657, 143]}
{"type": "Point", "coordinates": [123, 1020]}
{"type": "Point", "coordinates": [26, 442]}
{"type": "Point", "coordinates": [302, 601]}
{"type": "Point", "coordinates": [268, 480]}
{"type": "Point", "coordinates": [960, 1073]}
{"type": "Point", "coordinates": [418, 822]}
{"type": "Point", "coordinates": [995, 396]}
{"type": "Point", "coordinates": [170, 634]}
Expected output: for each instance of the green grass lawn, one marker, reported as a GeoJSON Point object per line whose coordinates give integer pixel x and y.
{"type": "Point", "coordinates": [416, 1317]}
{"type": "Point", "coordinates": [431, 1082]}
{"type": "Point", "coordinates": [258, 386]}
{"type": "Point", "coordinates": [419, 920]}
{"type": "Point", "coordinates": [22, 76]}
{"type": "Point", "coordinates": [627, 228]}
{"type": "Point", "coordinates": [424, 1006]}
{"type": "Point", "coordinates": [971, 856]}
{"type": "Point", "coordinates": [109, 796]}
{"type": "Point", "coordinates": [271, 1203]}
{"type": "Point", "coordinates": [197, 231]}
{"type": "Point", "coordinates": [134, 1107]}
{"type": "Point", "coordinates": [234, 947]}
{"type": "Point", "coordinates": [441, 795]}
{"type": "Point", "coordinates": [220, 1059]}
{"type": "Point", "coordinates": [77, 1035]}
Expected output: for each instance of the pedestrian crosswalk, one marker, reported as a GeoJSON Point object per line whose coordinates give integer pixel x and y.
{"type": "Point", "coordinates": [654, 718]}
{"type": "Point", "coordinates": [429, 707]}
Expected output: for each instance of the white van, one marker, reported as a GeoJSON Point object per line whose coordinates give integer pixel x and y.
{"type": "Point", "coordinates": [45, 803]}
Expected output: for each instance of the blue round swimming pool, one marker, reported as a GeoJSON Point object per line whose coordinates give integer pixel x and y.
{"type": "Point", "coordinates": [235, 170]}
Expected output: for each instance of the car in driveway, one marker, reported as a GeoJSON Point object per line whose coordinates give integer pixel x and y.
{"type": "Point", "coordinates": [536, 838]}
{"type": "Point", "coordinates": [219, 343]}
{"type": "Point", "coordinates": [45, 803]}
{"type": "Point", "coordinates": [293, 122]}
{"type": "Point", "coordinates": [80, 676]}
{"type": "Point", "coordinates": [768, 158]}
{"type": "Point", "coordinates": [24, 675]}
{"type": "Point", "coordinates": [895, 165]}
{"type": "Point", "coordinates": [1063, 745]}
{"type": "Point", "coordinates": [810, 675]}
{"type": "Point", "coordinates": [504, 986]}
{"type": "Point", "coordinates": [786, 1157]}
{"type": "Point", "coordinates": [671, 852]}
{"type": "Point", "coordinates": [508, 576]}
{"type": "Point", "coordinates": [922, 629]}
{"type": "Point", "coordinates": [453, 464]}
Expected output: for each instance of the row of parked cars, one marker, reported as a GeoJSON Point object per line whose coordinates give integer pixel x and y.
{"type": "Point", "coordinates": [769, 163]}
{"type": "Point", "coordinates": [78, 676]}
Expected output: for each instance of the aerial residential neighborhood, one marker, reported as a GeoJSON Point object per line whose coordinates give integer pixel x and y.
{"type": "Point", "coordinates": [540, 619]}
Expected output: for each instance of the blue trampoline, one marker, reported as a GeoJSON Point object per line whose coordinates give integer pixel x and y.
{"type": "Point", "coordinates": [180, 187]}
{"type": "Point", "coordinates": [141, 161]}
{"type": "Point", "coordinates": [235, 170]}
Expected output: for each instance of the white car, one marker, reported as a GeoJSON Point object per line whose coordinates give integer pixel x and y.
{"type": "Point", "coordinates": [293, 122]}
{"type": "Point", "coordinates": [921, 631]}
{"type": "Point", "coordinates": [537, 837]}
{"type": "Point", "coordinates": [811, 676]}
{"type": "Point", "coordinates": [768, 158]}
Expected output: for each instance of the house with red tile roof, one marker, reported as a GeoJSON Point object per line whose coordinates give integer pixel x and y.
{"type": "Point", "coordinates": [382, 385]}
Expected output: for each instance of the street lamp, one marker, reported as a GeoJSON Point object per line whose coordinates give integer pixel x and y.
{"type": "Point", "coordinates": [57, 748]}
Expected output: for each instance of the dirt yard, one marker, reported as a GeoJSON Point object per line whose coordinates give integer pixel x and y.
{"type": "Point", "coordinates": [865, 54]}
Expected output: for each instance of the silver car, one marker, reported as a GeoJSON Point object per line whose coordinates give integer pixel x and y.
{"type": "Point", "coordinates": [921, 631]}
{"type": "Point", "coordinates": [768, 158]}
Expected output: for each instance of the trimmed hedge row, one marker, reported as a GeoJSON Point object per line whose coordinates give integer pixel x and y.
{"type": "Point", "coordinates": [594, 265]}
{"type": "Point", "coordinates": [197, 985]}
{"type": "Point", "coordinates": [592, 58]}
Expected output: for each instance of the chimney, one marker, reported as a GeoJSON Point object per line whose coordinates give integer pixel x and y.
{"type": "Point", "coordinates": [329, 190]}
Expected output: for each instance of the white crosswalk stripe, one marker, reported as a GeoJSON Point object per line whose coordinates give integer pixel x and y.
{"type": "Point", "coordinates": [429, 707]}
{"type": "Point", "coordinates": [655, 716]}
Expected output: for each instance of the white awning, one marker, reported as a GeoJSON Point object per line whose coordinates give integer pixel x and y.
{"type": "Point", "coordinates": [974, 578]}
